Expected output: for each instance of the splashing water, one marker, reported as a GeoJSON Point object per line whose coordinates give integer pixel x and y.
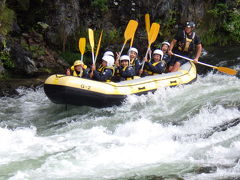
{"type": "Point", "coordinates": [173, 133]}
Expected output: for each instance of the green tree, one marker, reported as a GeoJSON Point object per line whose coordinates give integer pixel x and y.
{"type": "Point", "coordinates": [6, 18]}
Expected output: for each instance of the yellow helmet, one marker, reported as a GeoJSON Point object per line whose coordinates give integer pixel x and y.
{"type": "Point", "coordinates": [77, 63]}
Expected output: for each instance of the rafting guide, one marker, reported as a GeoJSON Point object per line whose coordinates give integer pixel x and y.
{"type": "Point", "coordinates": [184, 44]}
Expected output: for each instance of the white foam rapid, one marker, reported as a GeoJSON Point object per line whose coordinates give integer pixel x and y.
{"type": "Point", "coordinates": [180, 132]}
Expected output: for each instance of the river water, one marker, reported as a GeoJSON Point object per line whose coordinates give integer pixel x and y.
{"type": "Point", "coordinates": [188, 132]}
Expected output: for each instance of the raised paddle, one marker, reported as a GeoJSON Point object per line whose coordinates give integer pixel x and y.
{"type": "Point", "coordinates": [129, 32]}
{"type": "Point", "coordinates": [98, 46]}
{"type": "Point", "coordinates": [131, 43]}
{"type": "Point", "coordinates": [147, 25]}
{"type": "Point", "coordinates": [91, 40]}
{"type": "Point", "coordinates": [82, 45]}
{"type": "Point", "coordinates": [221, 69]}
{"type": "Point", "coordinates": [153, 33]}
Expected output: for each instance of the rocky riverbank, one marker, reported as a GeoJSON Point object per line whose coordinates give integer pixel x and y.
{"type": "Point", "coordinates": [8, 87]}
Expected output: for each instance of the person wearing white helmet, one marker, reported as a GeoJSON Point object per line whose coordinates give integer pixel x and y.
{"type": "Point", "coordinates": [125, 71]}
{"type": "Point", "coordinates": [134, 61]}
{"type": "Point", "coordinates": [106, 71]}
{"type": "Point", "coordinates": [157, 66]}
{"type": "Point", "coordinates": [166, 57]}
{"type": "Point", "coordinates": [78, 70]}
{"type": "Point", "coordinates": [184, 43]}
{"type": "Point", "coordinates": [108, 53]}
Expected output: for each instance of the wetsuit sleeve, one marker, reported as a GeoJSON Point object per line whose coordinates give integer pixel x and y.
{"type": "Point", "coordinates": [129, 72]}
{"type": "Point", "coordinates": [137, 67]}
{"type": "Point", "coordinates": [106, 75]}
{"type": "Point", "coordinates": [86, 73]}
{"type": "Point", "coordinates": [197, 40]}
{"type": "Point", "coordinates": [159, 68]}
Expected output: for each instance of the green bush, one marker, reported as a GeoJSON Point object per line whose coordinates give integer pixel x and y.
{"type": "Point", "coordinates": [6, 60]}
{"type": "Point", "coordinates": [6, 19]}
{"type": "Point", "coordinates": [223, 25]}
{"type": "Point", "coordinates": [100, 4]}
{"type": "Point", "coordinates": [69, 56]}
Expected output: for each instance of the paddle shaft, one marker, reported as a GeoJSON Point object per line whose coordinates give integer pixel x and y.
{"type": "Point", "coordinates": [192, 61]}
{"type": "Point", "coordinates": [221, 69]}
{"type": "Point", "coordinates": [98, 46]}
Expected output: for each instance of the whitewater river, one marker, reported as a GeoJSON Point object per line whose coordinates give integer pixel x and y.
{"type": "Point", "coordinates": [189, 132]}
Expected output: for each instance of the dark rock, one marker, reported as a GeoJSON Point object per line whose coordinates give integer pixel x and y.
{"type": "Point", "coordinates": [63, 21]}
{"type": "Point", "coordinates": [16, 30]}
{"type": "Point", "coordinates": [8, 87]}
{"type": "Point", "coordinates": [207, 169]}
{"type": "Point", "coordinates": [2, 39]}
{"type": "Point", "coordinates": [2, 70]}
{"type": "Point", "coordinates": [24, 63]}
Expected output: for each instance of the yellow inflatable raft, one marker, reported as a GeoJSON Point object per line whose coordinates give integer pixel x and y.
{"type": "Point", "coordinates": [62, 89]}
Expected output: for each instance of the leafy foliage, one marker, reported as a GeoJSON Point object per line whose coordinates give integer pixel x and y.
{"type": "Point", "coordinates": [100, 4]}
{"type": "Point", "coordinates": [223, 24]}
{"type": "Point", "coordinates": [6, 60]}
{"type": "Point", "coordinates": [6, 19]}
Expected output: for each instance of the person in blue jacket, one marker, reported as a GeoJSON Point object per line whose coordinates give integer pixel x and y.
{"type": "Point", "coordinates": [157, 66]}
{"type": "Point", "coordinates": [106, 70]}
{"type": "Point", "coordinates": [125, 70]}
{"type": "Point", "coordinates": [166, 57]}
{"type": "Point", "coordinates": [134, 61]}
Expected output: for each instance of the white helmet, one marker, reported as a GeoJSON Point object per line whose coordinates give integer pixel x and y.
{"type": "Point", "coordinates": [158, 51]}
{"type": "Point", "coordinates": [108, 53]}
{"type": "Point", "coordinates": [133, 49]}
{"type": "Point", "coordinates": [167, 43]}
{"type": "Point", "coordinates": [125, 57]}
{"type": "Point", "coordinates": [109, 60]}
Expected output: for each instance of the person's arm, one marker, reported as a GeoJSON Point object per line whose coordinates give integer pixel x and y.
{"type": "Point", "coordinates": [198, 52]}
{"type": "Point", "coordinates": [102, 76]}
{"type": "Point", "coordinates": [174, 41]}
{"type": "Point", "coordinates": [129, 72]}
{"type": "Point", "coordinates": [156, 69]}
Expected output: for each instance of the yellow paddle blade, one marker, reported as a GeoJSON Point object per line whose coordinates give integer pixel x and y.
{"type": "Point", "coordinates": [130, 29]}
{"type": "Point", "coordinates": [82, 45]}
{"type": "Point", "coordinates": [147, 23]}
{"type": "Point", "coordinates": [98, 46]}
{"type": "Point", "coordinates": [153, 33]}
{"type": "Point", "coordinates": [91, 37]}
{"type": "Point", "coordinates": [131, 43]}
{"type": "Point", "coordinates": [227, 70]}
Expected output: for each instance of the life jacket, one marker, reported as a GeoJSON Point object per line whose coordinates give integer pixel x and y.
{"type": "Point", "coordinates": [186, 45]}
{"type": "Point", "coordinates": [149, 72]}
{"type": "Point", "coordinates": [78, 74]}
{"type": "Point", "coordinates": [127, 78]}
{"type": "Point", "coordinates": [102, 68]}
{"type": "Point", "coordinates": [132, 61]}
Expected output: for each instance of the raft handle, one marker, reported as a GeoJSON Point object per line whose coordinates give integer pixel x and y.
{"type": "Point", "coordinates": [141, 88]}
{"type": "Point", "coordinates": [173, 82]}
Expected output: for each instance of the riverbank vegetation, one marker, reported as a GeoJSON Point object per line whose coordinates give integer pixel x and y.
{"type": "Point", "coordinates": [39, 25]}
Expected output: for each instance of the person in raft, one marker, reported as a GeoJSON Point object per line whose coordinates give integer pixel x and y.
{"type": "Point", "coordinates": [184, 43]}
{"type": "Point", "coordinates": [105, 72]}
{"type": "Point", "coordinates": [125, 71]}
{"type": "Point", "coordinates": [108, 53]}
{"type": "Point", "coordinates": [134, 61]}
{"type": "Point", "coordinates": [157, 66]}
{"type": "Point", "coordinates": [166, 57]}
{"type": "Point", "coordinates": [78, 70]}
